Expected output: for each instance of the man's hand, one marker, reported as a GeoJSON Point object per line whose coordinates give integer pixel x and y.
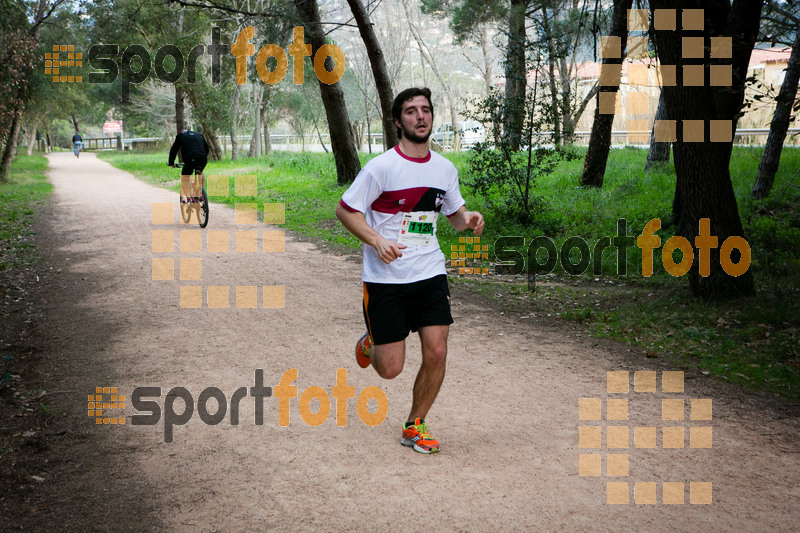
{"type": "Point", "coordinates": [463, 219]}
{"type": "Point", "coordinates": [474, 220]}
{"type": "Point", "coordinates": [388, 250]}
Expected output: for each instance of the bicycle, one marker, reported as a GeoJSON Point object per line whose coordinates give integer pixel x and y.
{"type": "Point", "coordinates": [76, 148]}
{"type": "Point", "coordinates": [199, 204]}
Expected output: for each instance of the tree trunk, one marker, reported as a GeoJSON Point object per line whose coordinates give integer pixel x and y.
{"type": "Point", "coordinates": [488, 82]}
{"type": "Point", "coordinates": [48, 140]}
{"type": "Point", "coordinates": [780, 123]}
{"type": "Point", "coordinates": [179, 110]}
{"type": "Point", "coordinates": [369, 132]}
{"type": "Point", "coordinates": [214, 150]}
{"type": "Point", "coordinates": [594, 166]}
{"type": "Point", "coordinates": [265, 121]}
{"type": "Point", "coordinates": [255, 141]}
{"type": "Point", "coordinates": [10, 149]}
{"type": "Point", "coordinates": [515, 72]}
{"type": "Point", "coordinates": [551, 71]}
{"type": "Point", "coordinates": [659, 151]}
{"type": "Point", "coordinates": [32, 135]}
{"type": "Point", "coordinates": [344, 149]}
{"type": "Point", "coordinates": [235, 123]}
{"type": "Point", "coordinates": [75, 123]}
{"type": "Point", "coordinates": [379, 71]}
{"type": "Point", "coordinates": [319, 135]}
{"type": "Point", "coordinates": [703, 184]}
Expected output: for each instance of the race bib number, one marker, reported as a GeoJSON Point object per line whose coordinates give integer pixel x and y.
{"type": "Point", "coordinates": [418, 229]}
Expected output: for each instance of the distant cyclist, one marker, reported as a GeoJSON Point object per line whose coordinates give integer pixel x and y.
{"type": "Point", "coordinates": [77, 142]}
{"type": "Point", "coordinates": [194, 151]}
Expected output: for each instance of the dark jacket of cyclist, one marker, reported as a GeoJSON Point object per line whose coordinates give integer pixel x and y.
{"type": "Point", "coordinates": [193, 148]}
{"type": "Point", "coordinates": [77, 138]}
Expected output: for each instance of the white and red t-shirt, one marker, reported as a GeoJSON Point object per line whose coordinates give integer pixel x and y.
{"type": "Point", "coordinates": [393, 186]}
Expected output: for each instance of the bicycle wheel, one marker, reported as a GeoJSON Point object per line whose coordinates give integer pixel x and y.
{"type": "Point", "coordinates": [186, 212]}
{"type": "Point", "coordinates": [202, 210]}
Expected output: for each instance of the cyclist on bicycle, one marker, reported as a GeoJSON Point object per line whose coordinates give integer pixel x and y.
{"type": "Point", "coordinates": [77, 141]}
{"type": "Point", "coordinates": [194, 151]}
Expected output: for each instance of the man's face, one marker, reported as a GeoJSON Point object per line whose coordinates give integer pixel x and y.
{"type": "Point", "coordinates": [416, 119]}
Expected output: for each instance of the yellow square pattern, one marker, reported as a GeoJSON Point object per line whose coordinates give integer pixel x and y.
{"type": "Point", "coordinates": [217, 185]}
{"type": "Point", "coordinates": [218, 241]}
{"type": "Point", "coordinates": [617, 409]}
{"type": "Point", "coordinates": [191, 297]}
{"type": "Point", "coordinates": [589, 408]}
{"type": "Point", "coordinates": [617, 437]}
{"type": "Point", "coordinates": [644, 492]}
{"type": "Point", "coordinates": [246, 185]}
{"type": "Point", "coordinates": [617, 464]}
{"type": "Point", "coordinates": [163, 213]}
{"type": "Point", "coordinates": [672, 381]}
{"type": "Point", "coordinates": [637, 20]}
{"type": "Point", "coordinates": [637, 46]}
{"type": "Point", "coordinates": [644, 381]}
{"type": "Point", "coordinates": [246, 297]}
{"type": "Point", "coordinates": [246, 213]}
{"type": "Point", "coordinates": [664, 19]}
{"type": "Point", "coordinates": [589, 436]}
{"type": "Point", "coordinates": [246, 241]}
{"type": "Point", "coordinates": [638, 104]}
{"type": "Point", "coordinates": [644, 437]}
{"type": "Point", "coordinates": [191, 241]}
{"type": "Point", "coordinates": [274, 213]}
{"type": "Point", "coordinates": [701, 409]}
{"type": "Point", "coordinates": [693, 19]}
{"type": "Point", "coordinates": [163, 241]}
{"type": "Point", "coordinates": [700, 437]}
{"type": "Point", "coordinates": [665, 131]}
{"type": "Point", "coordinates": [274, 241]}
{"type": "Point", "coordinates": [617, 493]}
{"type": "Point", "coordinates": [219, 297]}
{"type": "Point", "coordinates": [672, 437]}
{"type": "Point", "coordinates": [163, 268]}
{"type": "Point", "coordinates": [637, 74]}
{"type": "Point", "coordinates": [617, 381]}
{"type": "Point", "coordinates": [672, 409]}
{"type": "Point", "coordinates": [274, 297]}
{"type": "Point", "coordinates": [700, 493]}
{"type": "Point", "coordinates": [191, 268]}
{"type": "Point", "coordinates": [672, 492]}
{"type": "Point", "coordinates": [589, 464]}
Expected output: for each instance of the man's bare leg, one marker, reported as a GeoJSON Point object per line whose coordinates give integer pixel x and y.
{"type": "Point", "coordinates": [431, 373]}
{"type": "Point", "coordinates": [186, 185]}
{"type": "Point", "coordinates": [388, 359]}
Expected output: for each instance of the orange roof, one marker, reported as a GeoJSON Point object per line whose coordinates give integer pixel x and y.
{"type": "Point", "coordinates": [770, 55]}
{"type": "Point", "coordinates": [590, 70]}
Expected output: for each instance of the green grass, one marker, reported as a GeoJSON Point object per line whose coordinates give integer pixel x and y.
{"type": "Point", "coordinates": [753, 341]}
{"type": "Point", "coordinates": [26, 191]}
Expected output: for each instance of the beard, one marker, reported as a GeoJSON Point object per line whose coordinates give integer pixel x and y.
{"type": "Point", "coordinates": [412, 135]}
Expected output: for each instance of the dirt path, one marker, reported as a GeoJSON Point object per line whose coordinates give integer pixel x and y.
{"type": "Point", "coordinates": [507, 415]}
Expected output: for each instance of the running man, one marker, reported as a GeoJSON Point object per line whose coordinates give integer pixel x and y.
{"type": "Point", "coordinates": [392, 207]}
{"type": "Point", "coordinates": [194, 151]}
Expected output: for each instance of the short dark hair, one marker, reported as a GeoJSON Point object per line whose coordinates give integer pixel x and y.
{"type": "Point", "coordinates": [406, 95]}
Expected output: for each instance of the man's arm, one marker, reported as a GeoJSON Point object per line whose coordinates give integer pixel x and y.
{"type": "Point", "coordinates": [356, 224]}
{"type": "Point", "coordinates": [174, 150]}
{"type": "Point", "coordinates": [463, 219]}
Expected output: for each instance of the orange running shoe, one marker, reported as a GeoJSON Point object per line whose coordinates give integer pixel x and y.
{"type": "Point", "coordinates": [363, 347]}
{"type": "Point", "coordinates": [417, 435]}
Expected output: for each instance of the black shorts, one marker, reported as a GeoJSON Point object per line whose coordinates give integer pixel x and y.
{"type": "Point", "coordinates": [194, 165]}
{"type": "Point", "coordinates": [392, 310]}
